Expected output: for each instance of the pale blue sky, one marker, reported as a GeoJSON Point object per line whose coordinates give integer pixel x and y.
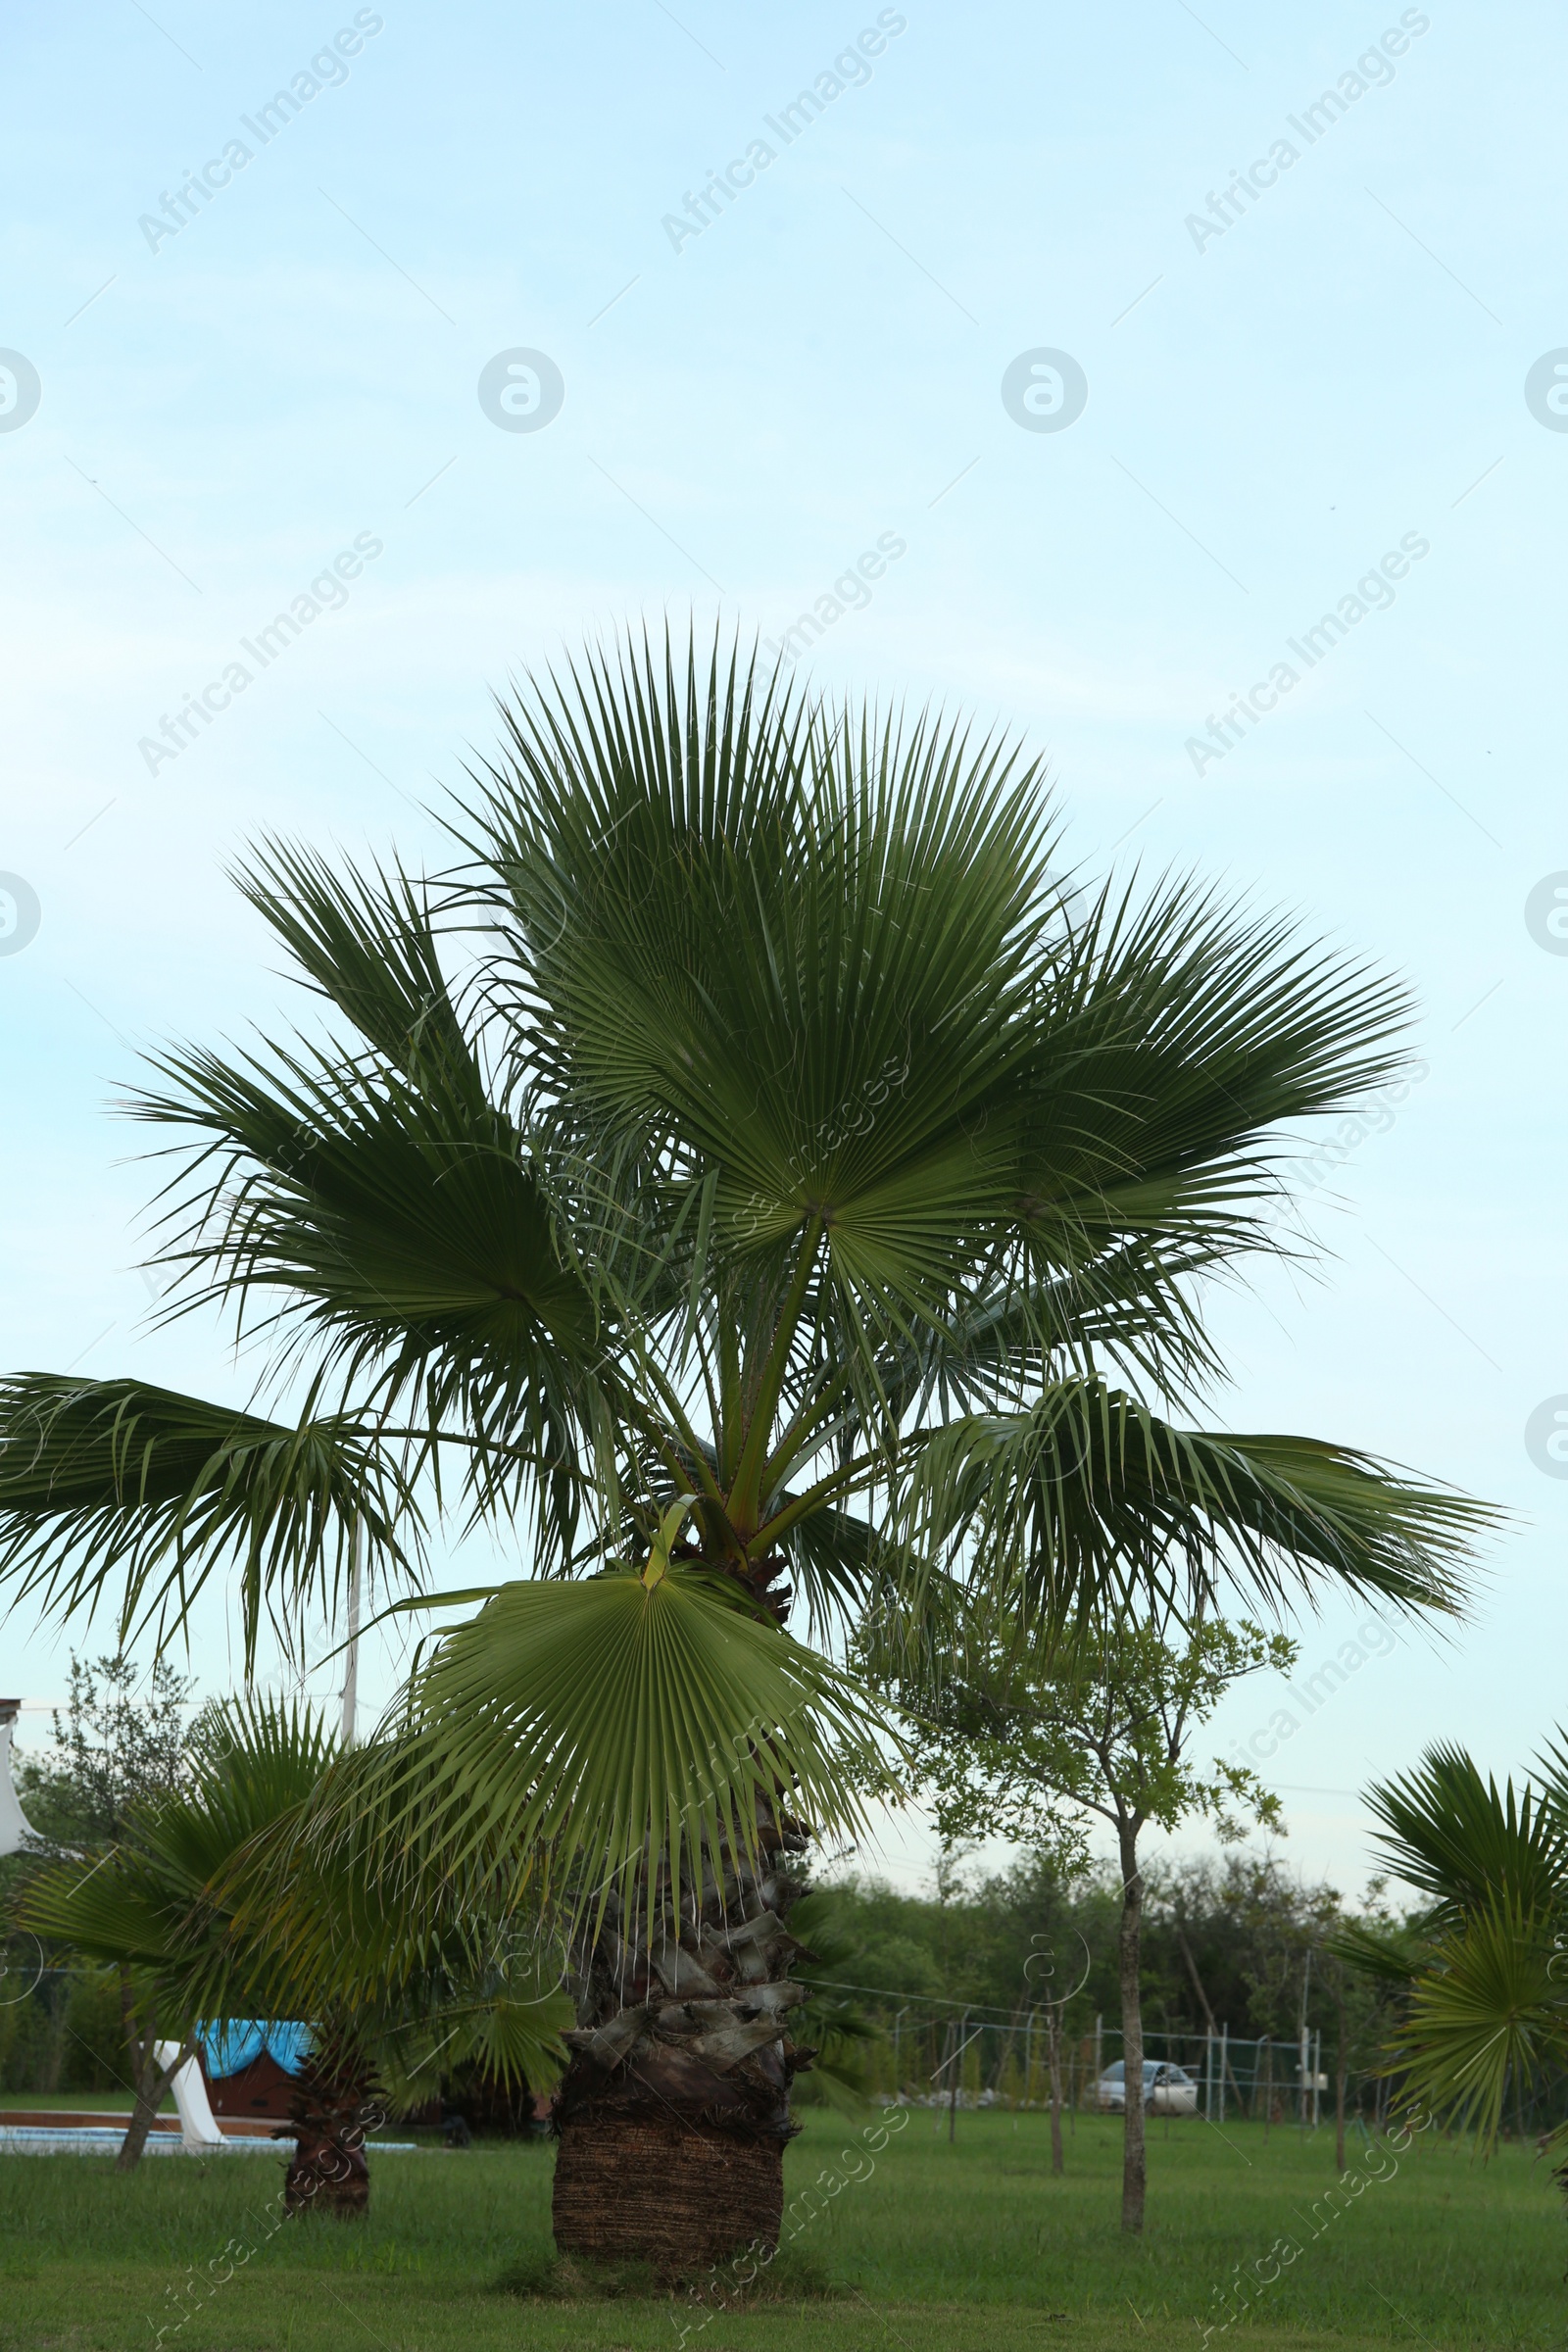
{"type": "Point", "coordinates": [1270, 410]}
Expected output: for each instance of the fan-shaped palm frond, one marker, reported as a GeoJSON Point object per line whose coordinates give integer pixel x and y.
{"type": "Point", "coordinates": [598, 1723]}
{"type": "Point", "coordinates": [1484, 2015]}
{"type": "Point", "coordinates": [220, 1897]}
{"type": "Point", "coordinates": [114, 1481]}
{"type": "Point", "coordinates": [1090, 1498]}
{"type": "Point", "coordinates": [1464, 1843]}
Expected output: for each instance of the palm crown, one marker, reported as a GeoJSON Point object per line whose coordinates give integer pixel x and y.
{"type": "Point", "coordinates": [1480, 1969]}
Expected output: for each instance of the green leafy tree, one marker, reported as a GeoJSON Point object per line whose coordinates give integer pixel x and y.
{"type": "Point", "coordinates": [123, 1737]}
{"type": "Point", "coordinates": [797, 1208]}
{"type": "Point", "coordinates": [1033, 1748]}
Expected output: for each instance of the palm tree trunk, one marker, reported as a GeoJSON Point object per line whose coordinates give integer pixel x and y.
{"type": "Point", "coordinates": [330, 2110]}
{"type": "Point", "coordinates": [674, 2112]}
{"type": "Point", "coordinates": [1133, 2165]}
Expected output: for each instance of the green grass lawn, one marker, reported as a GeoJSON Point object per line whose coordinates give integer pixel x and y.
{"type": "Point", "coordinates": [969, 2248]}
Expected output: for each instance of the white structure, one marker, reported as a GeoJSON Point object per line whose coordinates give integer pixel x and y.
{"type": "Point", "coordinates": [198, 2126]}
{"type": "Point", "coordinates": [15, 1827]}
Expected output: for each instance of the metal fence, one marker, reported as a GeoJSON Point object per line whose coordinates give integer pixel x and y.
{"type": "Point", "coordinates": [952, 2056]}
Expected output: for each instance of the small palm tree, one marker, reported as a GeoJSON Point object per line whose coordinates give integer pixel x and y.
{"type": "Point", "coordinates": [193, 1904]}
{"type": "Point", "coordinates": [1483, 1972]}
{"type": "Point", "coordinates": [797, 1210]}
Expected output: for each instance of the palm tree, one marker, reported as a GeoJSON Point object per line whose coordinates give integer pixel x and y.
{"type": "Point", "coordinates": [796, 1209]}
{"type": "Point", "coordinates": [191, 1905]}
{"type": "Point", "coordinates": [1481, 1972]}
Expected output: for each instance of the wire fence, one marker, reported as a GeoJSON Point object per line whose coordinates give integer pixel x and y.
{"type": "Point", "coordinates": [952, 2057]}
{"type": "Point", "coordinates": [966, 2061]}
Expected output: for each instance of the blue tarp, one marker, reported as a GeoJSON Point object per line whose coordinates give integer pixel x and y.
{"type": "Point", "coordinates": [225, 2050]}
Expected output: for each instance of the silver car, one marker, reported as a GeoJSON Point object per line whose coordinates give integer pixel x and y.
{"type": "Point", "coordinates": [1167, 2090]}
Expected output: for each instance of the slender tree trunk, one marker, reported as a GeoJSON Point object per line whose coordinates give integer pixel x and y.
{"type": "Point", "coordinates": [151, 2079]}
{"type": "Point", "coordinates": [141, 2118]}
{"type": "Point", "coordinates": [149, 2098]}
{"type": "Point", "coordinates": [1133, 2165]}
{"type": "Point", "coordinates": [1053, 2047]}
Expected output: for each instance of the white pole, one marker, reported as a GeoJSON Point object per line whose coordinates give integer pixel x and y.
{"type": "Point", "coordinates": [1318, 2068]}
{"type": "Point", "coordinates": [351, 1668]}
{"type": "Point", "coordinates": [1305, 2070]}
{"type": "Point", "coordinates": [1306, 2036]}
{"type": "Point", "coordinates": [1224, 2053]}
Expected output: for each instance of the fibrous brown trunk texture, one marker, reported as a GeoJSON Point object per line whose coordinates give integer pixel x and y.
{"type": "Point", "coordinates": [329, 2112]}
{"type": "Point", "coordinates": [671, 2194]}
{"type": "Point", "coordinates": [675, 2111]}
{"type": "Point", "coordinates": [1133, 2159]}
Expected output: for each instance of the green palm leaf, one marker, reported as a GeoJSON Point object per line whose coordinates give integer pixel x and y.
{"type": "Point", "coordinates": [1464, 1844]}
{"type": "Point", "coordinates": [368, 942]}
{"type": "Point", "coordinates": [115, 1480]}
{"type": "Point", "coordinates": [1089, 1497]}
{"type": "Point", "coordinates": [594, 1725]}
{"type": "Point", "coordinates": [1486, 2014]}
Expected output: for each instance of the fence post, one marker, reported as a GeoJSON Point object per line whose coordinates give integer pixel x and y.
{"type": "Point", "coordinates": [1099, 2027]}
{"type": "Point", "coordinates": [1224, 2055]}
{"type": "Point", "coordinates": [958, 2055]}
{"type": "Point", "coordinates": [1303, 2070]}
{"type": "Point", "coordinates": [1268, 2086]}
{"type": "Point", "coordinates": [1317, 2068]}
